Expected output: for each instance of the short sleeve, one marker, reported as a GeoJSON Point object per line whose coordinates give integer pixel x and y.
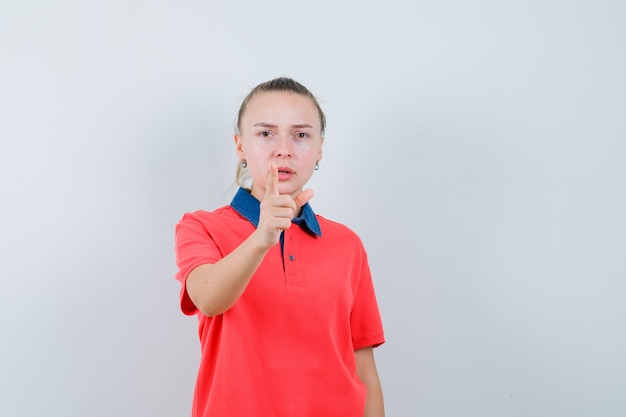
{"type": "Point", "coordinates": [194, 247]}
{"type": "Point", "coordinates": [365, 321]}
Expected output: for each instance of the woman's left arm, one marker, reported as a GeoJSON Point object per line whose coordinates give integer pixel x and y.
{"type": "Point", "coordinates": [366, 370]}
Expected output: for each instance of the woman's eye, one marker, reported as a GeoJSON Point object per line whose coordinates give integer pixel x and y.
{"type": "Point", "coordinates": [265, 134]}
{"type": "Point", "coordinates": [302, 135]}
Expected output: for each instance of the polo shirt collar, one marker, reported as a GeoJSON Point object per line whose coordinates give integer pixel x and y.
{"type": "Point", "coordinates": [249, 207]}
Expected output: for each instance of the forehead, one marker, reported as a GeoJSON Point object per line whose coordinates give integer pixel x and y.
{"type": "Point", "coordinates": [281, 107]}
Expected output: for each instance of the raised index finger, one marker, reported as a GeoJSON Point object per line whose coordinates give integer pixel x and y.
{"type": "Point", "coordinates": [271, 187]}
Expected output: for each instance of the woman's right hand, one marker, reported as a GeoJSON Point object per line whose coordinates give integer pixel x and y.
{"type": "Point", "coordinates": [277, 210]}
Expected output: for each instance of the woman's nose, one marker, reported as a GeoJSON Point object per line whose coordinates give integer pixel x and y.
{"type": "Point", "coordinates": [284, 148]}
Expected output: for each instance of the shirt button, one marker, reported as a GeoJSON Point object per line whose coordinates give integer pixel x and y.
{"type": "Point", "coordinates": [292, 258]}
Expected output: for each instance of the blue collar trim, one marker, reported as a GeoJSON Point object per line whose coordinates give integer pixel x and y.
{"type": "Point", "coordinates": [249, 207]}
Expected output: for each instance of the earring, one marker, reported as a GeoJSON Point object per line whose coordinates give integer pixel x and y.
{"type": "Point", "coordinates": [244, 163]}
{"type": "Point", "coordinates": [317, 165]}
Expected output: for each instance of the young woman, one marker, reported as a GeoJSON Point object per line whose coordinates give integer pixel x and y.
{"type": "Point", "coordinates": [285, 302]}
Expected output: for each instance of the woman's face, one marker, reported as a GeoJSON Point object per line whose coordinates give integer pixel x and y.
{"type": "Point", "coordinates": [283, 128]}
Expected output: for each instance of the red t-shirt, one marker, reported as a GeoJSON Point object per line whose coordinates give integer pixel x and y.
{"type": "Point", "coordinates": [286, 348]}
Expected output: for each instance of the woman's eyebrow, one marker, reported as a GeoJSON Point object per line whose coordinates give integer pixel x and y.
{"type": "Point", "coordinates": [265, 125]}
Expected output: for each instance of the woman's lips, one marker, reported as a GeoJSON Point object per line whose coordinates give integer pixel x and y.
{"type": "Point", "coordinates": [285, 173]}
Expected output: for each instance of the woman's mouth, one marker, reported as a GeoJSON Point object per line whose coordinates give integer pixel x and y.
{"type": "Point", "coordinates": [284, 173]}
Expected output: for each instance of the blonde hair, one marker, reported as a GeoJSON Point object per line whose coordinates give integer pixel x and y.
{"type": "Point", "coordinates": [242, 177]}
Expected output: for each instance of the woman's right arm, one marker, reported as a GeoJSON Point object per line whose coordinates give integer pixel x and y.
{"type": "Point", "coordinates": [214, 288]}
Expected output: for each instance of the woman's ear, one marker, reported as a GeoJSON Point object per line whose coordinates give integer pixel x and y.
{"type": "Point", "coordinates": [239, 147]}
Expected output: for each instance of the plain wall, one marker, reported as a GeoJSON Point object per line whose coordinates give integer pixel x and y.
{"type": "Point", "coordinates": [478, 148]}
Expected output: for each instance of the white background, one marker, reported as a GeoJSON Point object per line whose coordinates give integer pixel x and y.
{"type": "Point", "coordinates": [478, 148]}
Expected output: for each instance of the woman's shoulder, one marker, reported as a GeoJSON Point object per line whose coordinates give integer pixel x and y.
{"type": "Point", "coordinates": [336, 229]}
{"type": "Point", "coordinates": [204, 216]}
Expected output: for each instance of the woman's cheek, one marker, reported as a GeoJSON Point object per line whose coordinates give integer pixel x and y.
{"type": "Point", "coordinates": [303, 147]}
